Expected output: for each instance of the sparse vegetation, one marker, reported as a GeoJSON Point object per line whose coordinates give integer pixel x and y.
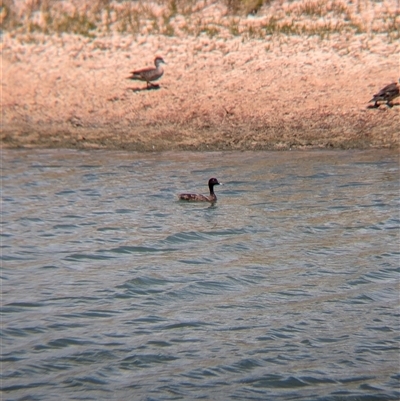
{"type": "Point", "coordinates": [250, 18]}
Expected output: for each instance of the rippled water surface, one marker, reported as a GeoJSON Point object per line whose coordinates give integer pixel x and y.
{"type": "Point", "coordinates": [286, 289]}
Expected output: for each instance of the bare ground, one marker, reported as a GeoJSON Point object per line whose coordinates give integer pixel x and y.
{"type": "Point", "coordinates": [279, 93]}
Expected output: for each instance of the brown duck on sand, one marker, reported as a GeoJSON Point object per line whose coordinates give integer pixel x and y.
{"type": "Point", "coordinates": [149, 74]}
{"type": "Point", "coordinates": [386, 94]}
{"type": "Point", "coordinates": [202, 198]}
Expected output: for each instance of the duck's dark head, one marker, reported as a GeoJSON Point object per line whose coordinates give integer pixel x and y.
{"type": "Point", "coordinates": [212, 182]}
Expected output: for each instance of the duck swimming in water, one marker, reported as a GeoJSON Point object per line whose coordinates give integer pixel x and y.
{"type": "Point", "coordinates": [386, 94]}
{"type": "Point", "coordinates": [202, 198]}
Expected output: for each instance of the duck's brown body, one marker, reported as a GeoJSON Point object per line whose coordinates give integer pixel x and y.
{"type": "Point", "coordinates": [198, 198]}
{"type": "Point", "coordinates": [202, 198]}
{"type": "Point", "coordinates": [386, 94]}
{"type": "Point", "coordinates": [149, 74]}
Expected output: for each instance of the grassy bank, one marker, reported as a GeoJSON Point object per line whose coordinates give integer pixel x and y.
{"type": "Point", "coordinates": [223, 18]}
{"type": "Point", "coordinates": [241, 74]}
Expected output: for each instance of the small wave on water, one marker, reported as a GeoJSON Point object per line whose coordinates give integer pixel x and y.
{"type": "Point", "coordinates": [286, 289]}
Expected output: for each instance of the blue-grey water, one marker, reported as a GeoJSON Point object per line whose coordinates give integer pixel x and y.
{"type": "Point", "coordinates": [286, 289]}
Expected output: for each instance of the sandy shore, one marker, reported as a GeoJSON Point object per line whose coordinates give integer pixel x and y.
{"type": "Point", "coordinates": [276, 93]}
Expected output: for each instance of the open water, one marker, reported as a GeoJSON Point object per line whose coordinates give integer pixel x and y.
{"type": "Point", "coordinates": [286, 289]}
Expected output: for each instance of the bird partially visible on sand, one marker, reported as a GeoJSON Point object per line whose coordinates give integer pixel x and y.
{"type": "Point", "coordinates": [202, 198]}
{"type": "Point", "coordinates": [149, 74]}
{"type": "Point", "coordinates": [386, 94]}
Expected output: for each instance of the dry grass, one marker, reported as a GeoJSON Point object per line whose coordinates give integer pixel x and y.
{"type": "Point", "coordinates": [224, 18]}
{"type": "Point", "coordinates": [292, 74]}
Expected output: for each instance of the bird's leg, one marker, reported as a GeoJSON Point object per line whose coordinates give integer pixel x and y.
{"type": "Point", "coordinates": [389, 104]}
{"type": "Point", "coordinates": [153, 85]}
